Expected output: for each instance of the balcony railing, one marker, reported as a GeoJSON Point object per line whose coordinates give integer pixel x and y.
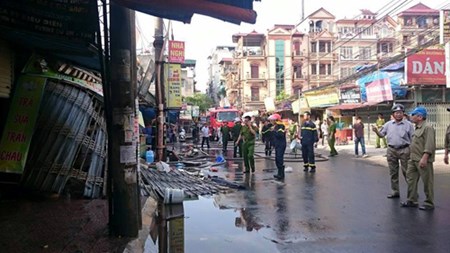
{"type": "Point", "coordinates": [259, 76]}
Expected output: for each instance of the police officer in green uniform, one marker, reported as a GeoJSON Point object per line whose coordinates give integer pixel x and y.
{"type": "Point", "coordinates": [235, 132]}
{"type": "Point", "coordinates": [447, 142]}
{"type": "Point", "coordinates": [225, 130]}
{"type": "Point", "coordinates": [420, 164]}
{"type": "Point", "coordinates": [248, 135]}
{"type": "Point", "coordinates": [331, 135]}
{"type": "Point", "coordinates": [398, 133]}
{"type": "Point", "coordinates": [379, 124]}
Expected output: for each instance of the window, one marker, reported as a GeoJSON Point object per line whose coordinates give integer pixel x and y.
{"type": "Point", "coordinates": [346, 72]}
{"type": "Point", "coordinates": [325, 69]}
{"type": "Point", "coordinates": [422, 22]}
{"type": "Point", "coordinates": [255, 93]}
{"type": "Point", "coordinates": [298, 71]}
{"type": "Point", "coordinates": [421, 40]}
{"type": "Point", "coordinates": [384, 47]}
{"type": "Point", "coordinates": [297, 47]}
{"type": "Point", "coordinates": [365, 53]}
{"type": "Point", "coordinates": [405, 40]}
{"type": "Point", "coordinates": [408, 22]}
{"type": "Point", "coordinates": [254, 71]}
{"type": "Point", "coordinates": [313, 47]}
{"type": "Point", "coordinates": [313, 69]}
{"type": "Point", "coordinates": [346, 53]}
{"type": "Point", "coordinates": [279, 65]}
{"type": "Point", "coordinates": [324, 46]}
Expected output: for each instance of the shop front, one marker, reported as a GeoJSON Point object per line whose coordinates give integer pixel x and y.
{"type": "Point", "coordinates": [319, 100]}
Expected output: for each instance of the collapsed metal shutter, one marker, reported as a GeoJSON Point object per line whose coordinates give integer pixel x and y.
{"type": "Point", "coordinates": [6, 69]}
{"type": "Point", "coordinates": [68, 148]}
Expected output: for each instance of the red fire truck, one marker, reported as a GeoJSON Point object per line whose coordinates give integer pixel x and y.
{"type": "Point", "coordinates": [220, 114]}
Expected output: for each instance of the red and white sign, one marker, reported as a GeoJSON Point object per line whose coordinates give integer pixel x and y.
{"type": "Point", "coordinates": [426, 67]}
{"type": "Point", "coordinates": [379, 90]}
{"type": "Point", "coordinates": [176, 51]}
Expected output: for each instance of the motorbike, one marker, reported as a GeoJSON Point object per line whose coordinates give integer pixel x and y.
{"type": "Point", "coordinates": [182, 135]}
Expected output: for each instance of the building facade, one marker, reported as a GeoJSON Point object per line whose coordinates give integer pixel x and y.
{"type": "Point", "coordinates": [216, 83]}
{"type": "Point", "coordinates": [188, 78]}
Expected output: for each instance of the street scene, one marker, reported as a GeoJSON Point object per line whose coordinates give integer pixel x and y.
{"type": "Point", "coordinates": [185, 126]}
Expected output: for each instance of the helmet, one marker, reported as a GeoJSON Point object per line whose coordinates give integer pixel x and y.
{"type": "Point", "coordinates": [398, 107]}
{"type": "Point", "coordinates": [275, 116]}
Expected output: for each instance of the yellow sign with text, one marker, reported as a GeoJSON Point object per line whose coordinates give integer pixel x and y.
{"type": "Point", "coordinates": [322, 98]}
{"type": "Point", "coordinates": [172, 75]}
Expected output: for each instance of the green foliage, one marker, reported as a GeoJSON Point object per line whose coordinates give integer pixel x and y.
{"type": "Point", "coordinates": [282, 96]}
{"type": "Point", "coordinates": [201, 100]}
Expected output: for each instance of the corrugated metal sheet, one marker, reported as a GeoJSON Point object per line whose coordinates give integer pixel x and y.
{"type": "Point", "coordinates": [68, 149]}
{"type": "Point", "coordinates": [439, 117]}
{"type": "Point", "coordinates": [6, 70]}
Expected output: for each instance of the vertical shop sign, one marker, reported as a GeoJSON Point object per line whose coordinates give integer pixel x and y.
{"type": "Point", "coordinates": [176, 51]}
{"type": "Point", "coordinates": [172, 73]}
{"type": "Point", "coordinates": [20, 124]}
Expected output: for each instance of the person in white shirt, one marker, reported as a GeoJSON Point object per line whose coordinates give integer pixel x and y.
{"type": "Point", "coordinates": [324, 128]}
{"type": "Point", "coordinates": [205, 134]}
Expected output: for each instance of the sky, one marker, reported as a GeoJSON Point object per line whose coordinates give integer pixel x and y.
{"type": "Point", "coordinates": [203, 34]}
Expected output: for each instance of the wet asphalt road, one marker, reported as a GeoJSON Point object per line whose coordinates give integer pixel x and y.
{"type": "Point", "coordinates": [341, 208]}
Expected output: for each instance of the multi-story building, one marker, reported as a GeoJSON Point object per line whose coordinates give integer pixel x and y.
{"type": "Point", "coordinates": [356, 43]}
{"type": "Point", "coordinates": [249, 78]}
{"type": "Point", "coordinates": [321, 54]}
{"type": "Point", "coordinates": [215, 80]}
{"type": "Point", "coordinates": [287, 63]}
{"type": "Point", "coordinates": [417, 25]}
{"type": "Point", "coordinates": [188, 78]}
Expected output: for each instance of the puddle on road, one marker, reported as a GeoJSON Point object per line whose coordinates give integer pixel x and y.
{"type": "Point", "coordinates": [200, 226]}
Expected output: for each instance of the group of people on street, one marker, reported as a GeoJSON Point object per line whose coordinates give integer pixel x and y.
{"type": "Point", "coordinates": [410, 148]}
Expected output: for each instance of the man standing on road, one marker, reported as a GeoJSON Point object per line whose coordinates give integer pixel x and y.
{"type": "Point", "coordinates": [379, 124]}
{"type": "Point", "coordinates": [235, 132]}
{"type": "Point", "coordinates": [398, 133]}
{"type": "Point", "coordinates": [332, 135]}
{"type": "Point", "coordinates": [248, 135]}
{"type": "Point", "coordinates": [447, 142]}
{"type": "Point", "coordinates": [266, 134]}
{"type": "Point", "coordinates": [279, 139]}
{"type": "Point", "coordinates": [420, 163]}
{"type": "Point", "coordinates": [205, 135]}
{"type": "Point", "coordinates": [225, 130]}
{"type": "Point", "coordinates": [324, 131]}
{"type": "Point", "coordinates": [359, 137]}
{"type": "Point", "coordinates": [308, 138]}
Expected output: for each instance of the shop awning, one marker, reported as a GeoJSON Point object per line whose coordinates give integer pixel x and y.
{"type": "Point", "coordinates": [233, 11]}
{"type": "Point", "coordinates": [346, 106]}
{"type": "Point", "coordinates": [352, 106]}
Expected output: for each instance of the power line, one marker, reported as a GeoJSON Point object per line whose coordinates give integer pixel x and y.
{"type": "Point", "coordinates": [381, 10]}
{"type": "Point", "coordinates": [334, 83]}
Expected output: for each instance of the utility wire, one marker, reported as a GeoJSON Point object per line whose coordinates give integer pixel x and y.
{"type": "Point", "coordinates": [381, 10]}
{"type": "Point", "coordinates": [356, 74]}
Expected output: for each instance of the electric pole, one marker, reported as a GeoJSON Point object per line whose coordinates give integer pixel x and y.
{"type": "Point", "coordinates": [125, 218]}
{"type": "Point", "coordinates": [159, 63]}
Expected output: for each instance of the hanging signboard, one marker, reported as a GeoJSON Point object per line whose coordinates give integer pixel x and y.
{"type": "Point", "coordinates": [322, 98]}
{"type": "Point", "coordinates": [172, 75]}
{"type": "Point", "coordinates": [20, 124]}
{"type": "Point", "coordinates": [350, 95]}
{"type": "Point", "coordinates": [426, 67]}
{"type": "Point", "coordinates": [176, 51]}
{"type": "Point", "coordinates": [379, 90]}
{"type": "Point", "coordinates": [195, 111]}
{"type": "Point", "coordinates": [70, 20]}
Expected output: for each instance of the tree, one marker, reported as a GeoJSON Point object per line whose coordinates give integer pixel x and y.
{"type": "Point", "coordinates": [201, 100]}
{"type": "Point", "coordinates": [282, 96]}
